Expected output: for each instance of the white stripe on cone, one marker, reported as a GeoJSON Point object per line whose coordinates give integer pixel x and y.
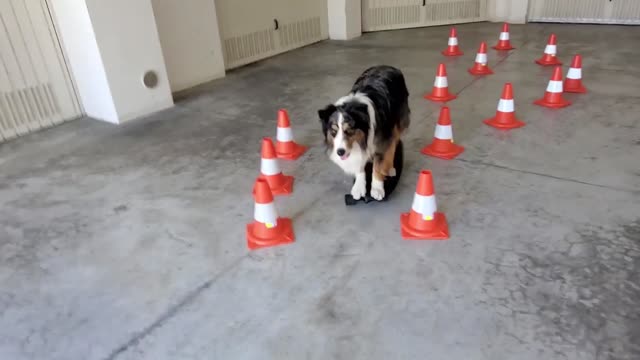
{"type": "Point", "coordinates": [550, 49]}
{"type": "Point", "coordinates": [441, 82]}
{"type": "Point", "coordinates": [453, 41]}
{"type": "Point", "coordinates": [266, 214]}
{"type": "Point", "coordinates": [443, 132]}
{"type": "Point", "coordinates": [424, 205]}
{"type": "Point", "coordinates": [575, 74]}
{"type": "Point", "coordinates": [269, 167]}
{"type": "Point", "coordinates": [554, 86]}
{"type": "Point", "coordinates": [481, 59]}
{"type": "Point", "coordinates": [504, 36]}
{"type": "Point", "coordinates": [284, 134]}
{"type": "Point", "coordinates": [506, 105]}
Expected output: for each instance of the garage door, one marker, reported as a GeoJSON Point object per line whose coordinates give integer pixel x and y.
{"type": "Point", "coordinates": [36, 90]}
{"type": "Point", "coordinates": [399, 14]}
{"type": "Point", "coordinates": [255, 29]}
{"type": "Point", "coordinates": [585, 11]}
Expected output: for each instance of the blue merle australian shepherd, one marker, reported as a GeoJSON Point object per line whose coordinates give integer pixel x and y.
{"type": "Point", "coordinates": [366, 125]}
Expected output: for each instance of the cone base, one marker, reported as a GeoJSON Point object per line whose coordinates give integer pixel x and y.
{"type": "Point", "coordinates": [555, 105]}
{"type": "Point", "coordinates": [483, 70]}
{"type": "Point", "coordinates": [513, 124]}
{"type": "Point", "coordinates": [436, 98]}
{"type": "Point", "coordinates": [283, 236]}
{"type": "Point", "coordinates": [440, 230]}
{"type": "Point", "coordinates": [580, 89]}
{"type": "Point", "coordinates": [551, 61]}
{"type": "Point", "coordinates": [279, 184]}
{"type": "Point", "coordinates": [447, 52]}
{"type": "Point", "coordinates": [450, 153]}
{"type": "Point", "coordinates": [295, 151]}
{"type": "Point", "coordinates": [503, 48]}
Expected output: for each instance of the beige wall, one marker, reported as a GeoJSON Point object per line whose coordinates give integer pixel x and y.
{"type": "Point", "coordinates": [190, 40]}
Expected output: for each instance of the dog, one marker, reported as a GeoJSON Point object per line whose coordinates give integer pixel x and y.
{"type": "Point", "coordinates": [366, 126]}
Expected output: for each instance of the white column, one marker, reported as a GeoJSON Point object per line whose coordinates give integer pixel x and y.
{"type": "Point", "coordinates": [110, 46]}
{"type": "Point", "coordinates": [511, 11]}
{"type": "Point", "coordinates": [345, 19]}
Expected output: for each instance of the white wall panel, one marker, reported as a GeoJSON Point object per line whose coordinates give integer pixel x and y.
{"type": "Point", "coordinates": [36, 90]}
{"type": "Point", "coordinates": [585, 11]}
{"type": "Point", "coordinates": [399, 14]}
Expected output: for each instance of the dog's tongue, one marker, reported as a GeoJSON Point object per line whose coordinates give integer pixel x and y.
{"type": "Point", "coordinates": [344, 157]}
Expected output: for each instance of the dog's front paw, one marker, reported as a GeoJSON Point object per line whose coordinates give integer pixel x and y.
{"type": "Point", "coordinates": [377, 189]}
{"type": "Point", "coordinates": [359, 190]}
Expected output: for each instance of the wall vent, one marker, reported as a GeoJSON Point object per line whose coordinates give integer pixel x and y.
{"type": "Point", "coordinates": [565, 10]}
{"type": "Point", "coordinates": [393, 16]}
{"type": "Point", "coordinates": [300, 32]}
{"type": "Point", "coordinates": [452, 11]}
{"type": "Point", "coordinates": [626, 12]}
{"type": "Point", "coordinates": [585, 11]}
{"type": "Point", "coordinates": [243, 49]}
{"type": "Point", "coordinates": [27, 109]}
{"type": "Point", "coordinates": [400, 14]}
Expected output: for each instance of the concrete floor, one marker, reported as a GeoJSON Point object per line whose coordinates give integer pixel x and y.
{"type": "Point", "coordinates": [128, 242]}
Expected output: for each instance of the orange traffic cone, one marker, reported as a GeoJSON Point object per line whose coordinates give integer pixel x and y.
{"type": "Point", "coordinates": [503, 42]}
{"type": "Point", "coordinates": [442, 145]}
{"type": "Point", "coordinates": [286, 148]}
{"type": "Point", "coordinates": [452, 47]}
{"type": "Point", "coordinates": [440, 90]}
{"type": "Point", "coordinates": [573, 82]}
{"type": "Point", "coordinates": [550, 51]}
{"type": "Point", "coordinates": [423, 222]}
{"type": "Point", "coordinates": [553, 96]}
{"type": "Point", "coordinates": [481, 67]}
{"type": "Point", "coordinates": [267, 229]}
{"type": "Point", "coordinates": [270, 170]}
{"type": "Point", "coordinates": [505, 115]}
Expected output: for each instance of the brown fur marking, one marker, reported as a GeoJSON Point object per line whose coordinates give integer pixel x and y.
{"type": "Point", "coordinates": [382, 166]}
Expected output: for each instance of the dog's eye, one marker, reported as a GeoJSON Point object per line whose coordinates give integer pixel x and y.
{"type": "Point", "coordinates": [333, 132]}
{"type": "Point", "coordinates": [349, 132]}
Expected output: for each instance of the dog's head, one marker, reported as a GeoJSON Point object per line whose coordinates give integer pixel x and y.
{"type": "Point", "coordinates": [345, 128]}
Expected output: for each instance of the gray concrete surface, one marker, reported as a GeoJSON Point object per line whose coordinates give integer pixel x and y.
{"type": "Point", "coordinates": [128, 242]}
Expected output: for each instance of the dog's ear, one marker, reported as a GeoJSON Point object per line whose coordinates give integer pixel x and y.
{"type": "Point", "coordinates": [326, 113]}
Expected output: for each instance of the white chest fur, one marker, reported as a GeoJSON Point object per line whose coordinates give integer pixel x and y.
{"type": "Point", "coordinates": [355, 163]}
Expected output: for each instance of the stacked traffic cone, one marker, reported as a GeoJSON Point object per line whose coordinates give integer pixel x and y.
{"type": "Point", "coordinates": [267, 229]}
{"type": "Point", "coordinates": [481, 67]}
{"type": "Point", "coordinates": [505, 115]}
{"type": "Point", "coordinates": [423, 222]}
{"type": "Point", "coordinates": [573, 82]}
{"type": "Point", "coordinates": [442, 145]}
{"type": "Point", "coordinates": [503, 42]}
{"type": "Point", "coordinates": [286, 148]}
{"type": "Point", "coordinates": [270, 170]}
{"type": "Point", "coordinates": [550, 53]}
{"type": "Point", "coordinates": [440, 90]}
{"type": "Point", "coordinates": [553, 96]}
{"type": "Point", "coordinates": [452, 47]}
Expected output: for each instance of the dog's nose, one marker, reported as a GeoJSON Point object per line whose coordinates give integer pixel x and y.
{"type": "Point", "coordinates": [340, 152]}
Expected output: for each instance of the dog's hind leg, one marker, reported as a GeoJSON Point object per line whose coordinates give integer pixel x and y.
{"type": "Point", "coordinates": [383, 166]}
{"type": "Point", "coordinates": [386, 164]}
